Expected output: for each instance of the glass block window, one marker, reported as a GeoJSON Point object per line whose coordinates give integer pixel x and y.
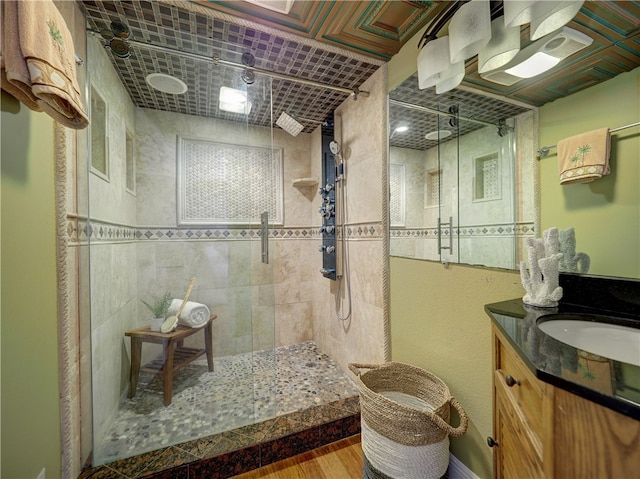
{"type": "Point", "coordinates": [219, 183]}
{"type": "Point", "coordinates": [432, 188]}
{"type": "Point", "coordinates": [487, 177]}
{"type": "Point", "coordinates": [397, 195]}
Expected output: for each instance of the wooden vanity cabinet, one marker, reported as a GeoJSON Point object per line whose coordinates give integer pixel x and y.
{"type": "Point", "coordinates": [545, 432]}
{"type": "Point", "coordinates": [521, 416]}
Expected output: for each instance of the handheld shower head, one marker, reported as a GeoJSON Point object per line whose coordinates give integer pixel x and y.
{"type": "Point", "coordinates": [334, 147]}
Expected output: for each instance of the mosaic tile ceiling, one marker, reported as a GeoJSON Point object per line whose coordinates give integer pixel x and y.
{"type": "Point", "coordinates": [337, 42]}
{"type": "Point", "coordinates": [469, 105]}
{"type": "Point", "coordinates": [204, 35]}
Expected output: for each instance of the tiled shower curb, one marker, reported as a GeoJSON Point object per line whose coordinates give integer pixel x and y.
{"type": "Point", "coordinates": [241, 450]}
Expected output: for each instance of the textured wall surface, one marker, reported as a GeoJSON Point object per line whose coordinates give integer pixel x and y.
{"type": "Point", "coordinates": [113, 261]}
{"type": "Point", "coordinates": [361, 127]}
{"type": "Point", "coordinates": [438, 323]}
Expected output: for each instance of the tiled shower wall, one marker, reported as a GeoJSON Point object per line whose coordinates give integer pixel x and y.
{"type": "Point", "coordinates": [361, 127]}
{"type": "Point", "coordinates": [113, 293]}
{"type": "Point", "coordinates": [225, 261]}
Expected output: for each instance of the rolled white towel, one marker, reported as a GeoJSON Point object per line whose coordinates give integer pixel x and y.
{"type": "Point", "coordinates": [194, 314]}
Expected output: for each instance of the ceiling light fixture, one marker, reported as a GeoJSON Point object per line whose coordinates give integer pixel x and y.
{"type": "Point", "coordinates": [234, 101]}
{"type": "Point", "coordinates": [503, 46]}
{"type": "Point", "coordinates": [401, 129]}
{"type": "Point", "coordinates": [166, 83]}
{"type": "Point", "coordinates": [536, 64]}
{"type": "Point", "coordinates": [433, 60]}
{"type": "Point", "coordinates": [544, 16]}
{"type": "Point", "coordinates": [540, 56]}
{"type": "Point", "coordinates": [472, 31]}
{"type": "Point", "coordinates": [437, 135]}
{"type": "Point", "coordinates": [517, 12]}
{"type": "Point", "coordinates": [469, 30]}
{"type": "Point", "coordinates": [451, 78]}
{"type": "Point", "coordinates": [547, 17]}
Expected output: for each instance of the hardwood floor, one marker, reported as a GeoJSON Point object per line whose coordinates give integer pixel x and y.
{"type": "Point", "coordinates": [339, 460]}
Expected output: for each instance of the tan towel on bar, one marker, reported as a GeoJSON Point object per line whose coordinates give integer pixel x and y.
{"type": "Point", "coordinates": [585, 157]}
{"type": "Point", "coordinates": [16, 81]}
{"type": "Point", "coordinates": [46, 47]}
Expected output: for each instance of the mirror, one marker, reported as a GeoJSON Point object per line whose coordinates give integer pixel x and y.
{"type": "Point", "coordinates": [605, 213]}
{"type": "Point", "coordinates": [461, 177]}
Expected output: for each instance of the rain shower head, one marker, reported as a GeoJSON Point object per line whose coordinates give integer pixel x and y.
{"type": "Point", "coordinates": [289, 124]}
{"type": "Point", "coordinates": [119, 48]}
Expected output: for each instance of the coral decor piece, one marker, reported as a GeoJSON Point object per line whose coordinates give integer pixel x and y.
{"type": "Point", "coordinates": [572, 262]}
{"type": "Point", "coordinates": [541, 282]}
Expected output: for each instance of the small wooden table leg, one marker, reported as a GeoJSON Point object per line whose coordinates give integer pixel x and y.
{"type": "Point", "coordinates": [136, 349]}
{"type": "Point", "coordinates": [207, 344]}
{"type": "Point", "coordinates": [169, 351]}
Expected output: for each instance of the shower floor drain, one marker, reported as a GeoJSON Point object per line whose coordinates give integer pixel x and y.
{"type": "Point", "coordinates": [311, 365]}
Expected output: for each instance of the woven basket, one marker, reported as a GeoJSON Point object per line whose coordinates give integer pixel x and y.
{"type": "Point", "coordinates": [407, 404]}
{"type": "Point", "coordinates": [370, 472]}
{"type": "Point", "coordinates": [390, 459]}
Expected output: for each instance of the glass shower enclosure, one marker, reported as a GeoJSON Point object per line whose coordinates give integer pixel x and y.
{"type": "Point", "coordinates": [173, 197]}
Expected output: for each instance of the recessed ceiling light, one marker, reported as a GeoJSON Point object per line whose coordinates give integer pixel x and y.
{"type": "Point", "coordinates": [234, 100]}
{"type": "Point", "coordinates": [402, 129]}
{"type": "Point", "coordinates": [438, 134]}
{"type": "Point", "coordinates": [166, 83]}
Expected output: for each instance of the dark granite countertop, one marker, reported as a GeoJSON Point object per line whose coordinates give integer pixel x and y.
{"type": "Point", "coordinates": [605, 381]}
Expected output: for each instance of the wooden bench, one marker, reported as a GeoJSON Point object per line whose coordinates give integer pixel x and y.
{"type": "Point", "coordinates": [174, 355]}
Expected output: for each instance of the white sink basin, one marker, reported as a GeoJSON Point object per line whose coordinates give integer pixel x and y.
{"type": "Point", "coordinates": [594, 335]}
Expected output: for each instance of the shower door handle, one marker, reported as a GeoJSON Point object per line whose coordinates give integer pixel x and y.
{"type": "Point", "coordinates": [440, 225]}
{"type": "Point", "coordinates": [264, 237]}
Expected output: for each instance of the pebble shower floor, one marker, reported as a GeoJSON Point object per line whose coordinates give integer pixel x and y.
{"type": "Point", "coordinates": [243, 389]}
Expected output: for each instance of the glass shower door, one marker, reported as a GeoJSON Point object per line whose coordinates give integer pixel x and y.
{"type": "Point", "coordinates": [266, 186]}
{"type": "Point", "coordinates": [487, 214]}
{"type": "Point", "coordinates": [193, 210]}
{"type": "Point", "coordinates": [448, 153]}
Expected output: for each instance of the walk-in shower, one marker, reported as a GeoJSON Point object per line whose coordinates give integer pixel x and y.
{"type": "Point", "coordinates": [182, 196]}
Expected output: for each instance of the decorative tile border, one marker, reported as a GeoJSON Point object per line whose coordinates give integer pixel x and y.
{"type": "Point", "coordinates": [498, 230]}
{"type": "Point", "coordinates": [241, 450]}
{"type": "Point", "coordinates": [80, 231]}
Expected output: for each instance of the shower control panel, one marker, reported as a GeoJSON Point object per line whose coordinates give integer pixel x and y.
{"type": "Point", "coordinates": [327, 211]}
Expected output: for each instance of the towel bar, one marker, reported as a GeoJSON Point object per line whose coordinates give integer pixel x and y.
{"type": "Point", "coordinates": [543, 151]}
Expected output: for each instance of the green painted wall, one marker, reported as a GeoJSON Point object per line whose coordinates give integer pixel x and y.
{"type": "Point", "coordinates": [605, 212]}
{"type": "Point", "coordinates": [438, 323]}
{"type": "Point", "coordinates": [404, 63]}
{"type": "Point", "coordinates": [30, 409]}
